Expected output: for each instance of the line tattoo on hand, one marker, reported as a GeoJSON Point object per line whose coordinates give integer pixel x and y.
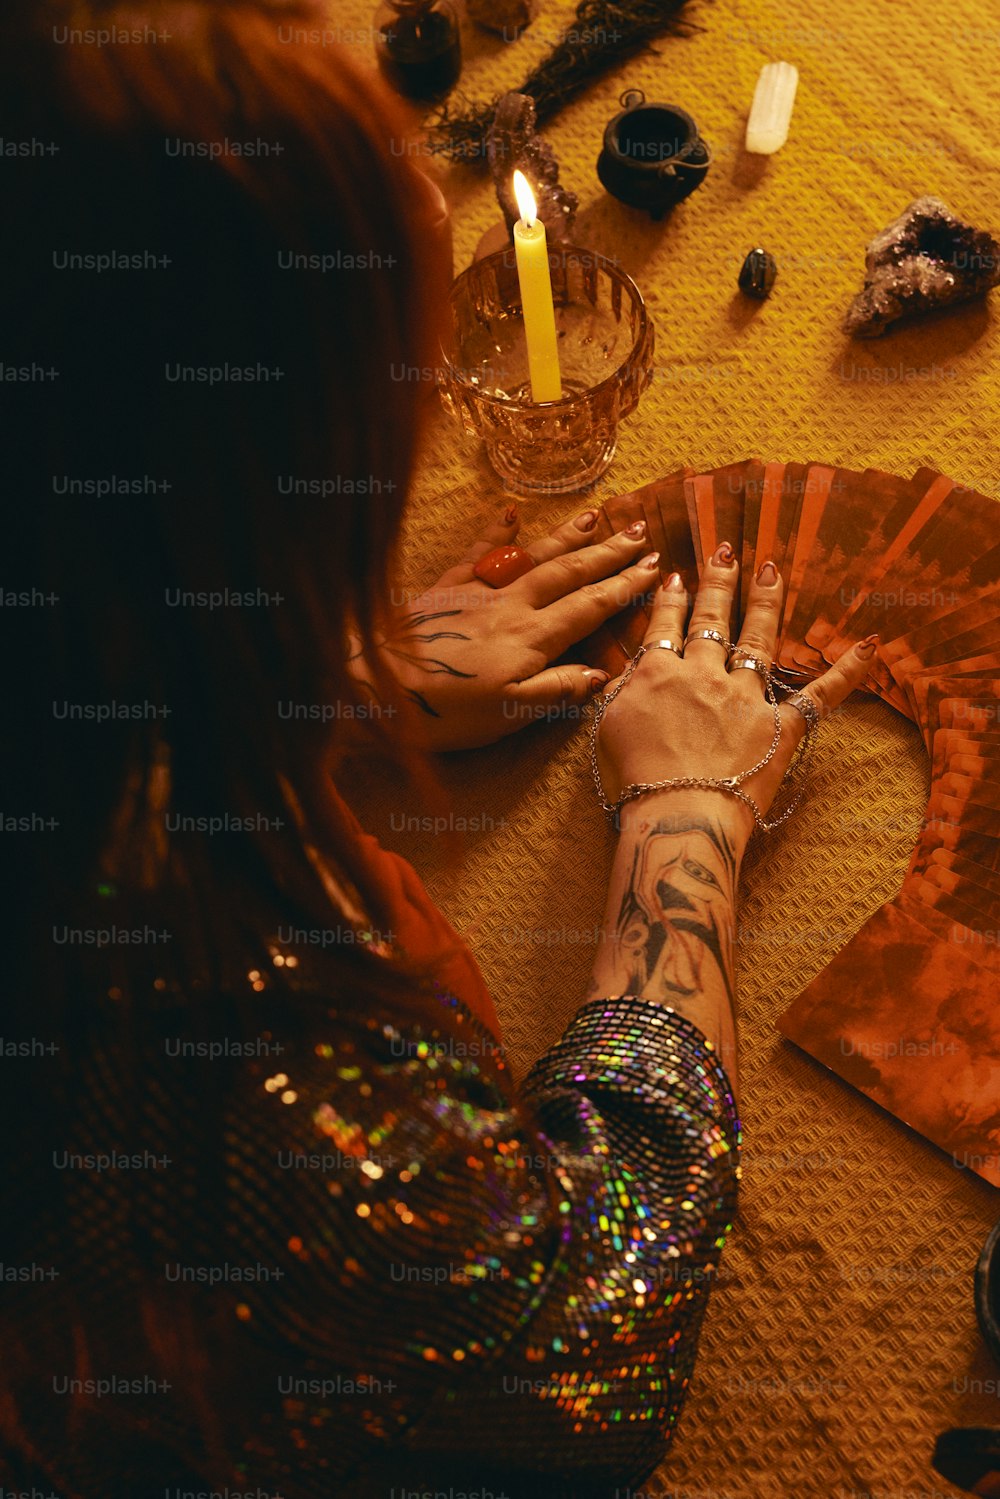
{"type": "Point", "coordinates": [409, 628]}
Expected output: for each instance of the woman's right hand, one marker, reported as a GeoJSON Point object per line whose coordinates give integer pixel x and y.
{"type": "Point", "coordinates": [689, 716]}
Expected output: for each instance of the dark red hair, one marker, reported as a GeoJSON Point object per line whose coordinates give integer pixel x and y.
{"type": "Point", "coordinates": [324, 179]}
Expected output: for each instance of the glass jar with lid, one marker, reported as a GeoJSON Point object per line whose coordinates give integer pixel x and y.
{"type": "Point", "coordinates": [418, 45]}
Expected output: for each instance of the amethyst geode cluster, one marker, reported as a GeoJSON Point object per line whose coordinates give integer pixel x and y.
{"type": "Point", "coordinates": [924, 259]}
{"type": "Point", "coordinates": [513, 141]}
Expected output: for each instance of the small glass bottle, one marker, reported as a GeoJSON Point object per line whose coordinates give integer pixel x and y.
{"type": "Point", "coordinates": [419, 47]}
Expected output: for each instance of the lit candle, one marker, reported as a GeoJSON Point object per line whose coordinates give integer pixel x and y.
{"type": "Point", "coordinates": [532, 257]}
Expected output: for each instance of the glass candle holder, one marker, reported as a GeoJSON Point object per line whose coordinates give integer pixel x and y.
{"type": "Point", "coordinates": [606, 358]}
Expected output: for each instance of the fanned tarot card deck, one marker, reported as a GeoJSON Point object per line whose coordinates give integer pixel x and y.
{"type": "Point", "coordinates": [909, 1010]}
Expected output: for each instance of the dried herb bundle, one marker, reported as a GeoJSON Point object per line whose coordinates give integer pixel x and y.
{"type": "Point", "coordinates": [603, 34]}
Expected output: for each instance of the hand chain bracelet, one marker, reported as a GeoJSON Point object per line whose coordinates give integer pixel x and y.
{"type": "Point", "coordinates": [730, 783]}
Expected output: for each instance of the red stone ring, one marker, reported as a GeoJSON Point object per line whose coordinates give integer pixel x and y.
{"type": "Point", "coordinates": [503, 565]}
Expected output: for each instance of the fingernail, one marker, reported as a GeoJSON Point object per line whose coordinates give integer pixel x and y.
{"type": "Point", "coordinates": [510, 516]}
{"type": "Point", "coordinates": [866, 647]}
{"type": "Point", "coordinates": [596, 680]}
{"type": "Point", "coordinates": [674, 584]}
{"type": "Point", "coordinates": [724, 555]}
{"type": "Point", "coordinates": [651, 561]}
{"type": "Point", "coordinates": [767, 574]}
{"type": "Point", "coordinates": [636, 529]}
{"type": "Point", "coordinates": [587, 521]}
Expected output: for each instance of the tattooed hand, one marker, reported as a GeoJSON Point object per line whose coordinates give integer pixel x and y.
{"type": "Point", "coordinates": [475, 660]}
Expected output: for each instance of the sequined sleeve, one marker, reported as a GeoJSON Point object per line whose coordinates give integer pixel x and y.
{"type": "Point", "coordinates": [520, 1278]}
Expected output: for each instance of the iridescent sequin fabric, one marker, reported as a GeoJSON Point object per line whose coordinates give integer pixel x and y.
{"type": "Point", "coordinates": [431, 1281]}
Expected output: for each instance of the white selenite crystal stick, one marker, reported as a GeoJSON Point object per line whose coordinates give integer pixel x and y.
{"type": "Point", "coordinates": [771, 110]}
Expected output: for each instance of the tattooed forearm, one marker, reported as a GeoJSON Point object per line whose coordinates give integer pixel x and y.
{"type": "Point", "coordinates": [675, 913]}
{"type": "Point", "coordinates": [669, 928]}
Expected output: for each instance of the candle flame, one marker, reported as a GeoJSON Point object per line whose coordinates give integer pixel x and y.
{"type": "Point", "coordinates": [526, 205]}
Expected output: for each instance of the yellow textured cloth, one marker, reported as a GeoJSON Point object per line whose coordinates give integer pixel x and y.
{"type": "Point", "coordinates": [841, 1338]}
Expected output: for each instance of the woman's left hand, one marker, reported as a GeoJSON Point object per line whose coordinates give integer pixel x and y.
{"type": "Point", "coordinates": [475, 660]}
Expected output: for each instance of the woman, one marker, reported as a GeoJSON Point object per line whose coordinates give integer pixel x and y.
{"type": "Point", "coordinates": [277, 1221]}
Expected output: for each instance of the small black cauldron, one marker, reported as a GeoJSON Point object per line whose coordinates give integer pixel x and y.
{"type": "Point", "coordinates": [652, 156]}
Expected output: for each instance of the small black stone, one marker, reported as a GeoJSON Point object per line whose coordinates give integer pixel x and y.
{"type": "Point", "coordinates": [757, 274]}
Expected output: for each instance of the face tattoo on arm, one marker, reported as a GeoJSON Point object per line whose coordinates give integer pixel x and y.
{"type": "Point", "coordinates": [675, 917]}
